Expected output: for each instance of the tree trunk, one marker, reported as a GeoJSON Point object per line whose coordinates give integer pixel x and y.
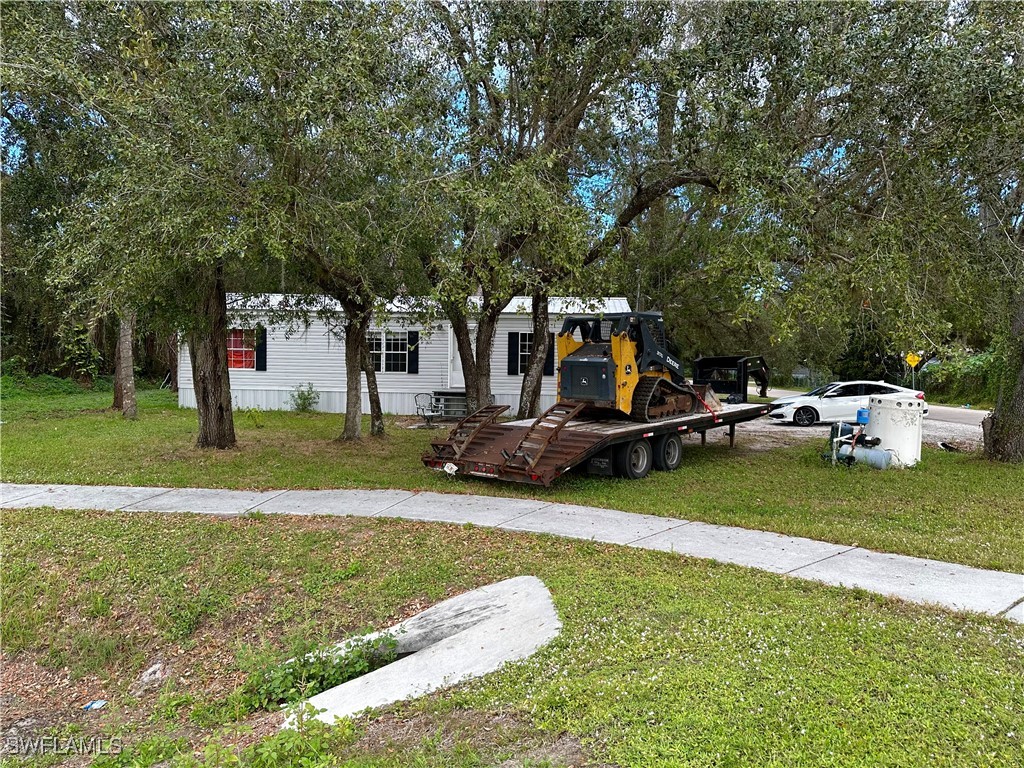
{"type": "Point", "coordinates": [124, 374]}
{"type": "Point", "coordinates": [118, 403]}
{"type": "Point", "coordinates": [171, 347]}
{"type": "Point", "coordinates": [376, 413]}
{"type": "Point", "coordinates": [356, 323]}
{"type": "Point", "coordinates": [529, 397]}
{"type": "Point", "coordinates": [480, 387]}
{"type": "Point", "coordinates": [209, 350]}
{"type": "Point", "coordinates": [467, 357]}
{"type": "Point", "coordinates": [475, 352]}
{"type": "Point", "coordinates": [1004, 428]}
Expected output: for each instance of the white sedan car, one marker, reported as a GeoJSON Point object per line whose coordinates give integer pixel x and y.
{"type": "Point", "coordinates": [838, 401]}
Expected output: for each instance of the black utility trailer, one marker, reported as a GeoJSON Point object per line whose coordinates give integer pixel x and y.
{"type": "Point", "coordinates": [729, 374]}
{"type": "Point", "coordinates": [537, 451]}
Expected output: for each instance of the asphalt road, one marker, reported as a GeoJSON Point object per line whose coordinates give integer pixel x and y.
{"type": "Point", "coordinates": [956, 415]}
{"type": "Point", "coordinates": [944, 413]}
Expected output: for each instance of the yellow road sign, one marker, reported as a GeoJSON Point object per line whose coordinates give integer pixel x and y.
{"type": "Point", "coordinates": [912, 359]}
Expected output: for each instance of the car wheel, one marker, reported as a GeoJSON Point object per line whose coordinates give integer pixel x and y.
{"type": "Point", "coordinates": [634, 459]}
{"type": "Point", "coordinates": [805, 417]}
{"type": "Point", "coordinates": [668, 453]}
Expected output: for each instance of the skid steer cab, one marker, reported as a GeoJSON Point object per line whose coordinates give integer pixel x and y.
{"type": "Point", "coordinates": [621, 363]}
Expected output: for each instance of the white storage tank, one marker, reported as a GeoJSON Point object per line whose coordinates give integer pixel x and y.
{"type": "Point", "coordinates": [896, 421]}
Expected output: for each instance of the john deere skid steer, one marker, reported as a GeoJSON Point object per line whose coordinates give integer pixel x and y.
{"type": "Point", "coordinates": [620, 362]}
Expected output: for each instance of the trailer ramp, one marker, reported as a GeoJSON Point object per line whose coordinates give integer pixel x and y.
{"type": "Point", "coordinates": [467, 430]}
{"type": "Point", "coordinates": [541, 435]}
{"type": "Point", "coordinates": [538, 451]}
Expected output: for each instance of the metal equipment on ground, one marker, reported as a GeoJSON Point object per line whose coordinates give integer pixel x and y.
{"type": "Point", "coordinates": [888, 434]}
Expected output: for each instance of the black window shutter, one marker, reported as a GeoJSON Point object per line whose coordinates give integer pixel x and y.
{"type": "Point", "coordinates": [261, 349]}
{"type": "Point", "coordinates": [549, 361]}
{"type": "Point", "coordinates": [513, 353]}
{"type": "Point", "coordinates": [414, 352]}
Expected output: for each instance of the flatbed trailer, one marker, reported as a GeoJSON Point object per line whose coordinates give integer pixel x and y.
{"type": "Point", "coordinates": [538, 451]}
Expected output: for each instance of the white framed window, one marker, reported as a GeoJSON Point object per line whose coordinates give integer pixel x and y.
{"type": "Point", "coordinates": [396, 352]}
{"type": "Point", "coordinates": [525, 348]}
{"type": "Point", "coordinates": [520, 349]}
{"type": "Point", "coordinates": [242, 348]}
{"type": "Point", "coordinates": [373, 344]}
{"type": "Point", "coordinates": [389, 351]}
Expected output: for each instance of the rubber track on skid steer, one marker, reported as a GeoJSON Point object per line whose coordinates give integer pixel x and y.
{"type": "Point", "coordinates": [644, 392]}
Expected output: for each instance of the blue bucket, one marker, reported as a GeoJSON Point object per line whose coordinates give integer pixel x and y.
{"type": "Point", "coordinates": [863, 414]}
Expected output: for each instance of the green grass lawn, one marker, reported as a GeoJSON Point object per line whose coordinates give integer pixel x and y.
{"type": "Point", "coordinates": [663, 661]}
{"type": "Point", "coordinates": [956, 507]}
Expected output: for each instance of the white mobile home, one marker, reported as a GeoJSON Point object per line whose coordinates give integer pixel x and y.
{"type": "Point", "coordinates": [268, 358]}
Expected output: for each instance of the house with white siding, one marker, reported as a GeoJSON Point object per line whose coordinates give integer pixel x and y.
{"type": "Point", "coordinates": [269, 355]}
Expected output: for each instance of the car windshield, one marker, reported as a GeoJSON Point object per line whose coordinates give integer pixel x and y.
{"type": "Point", "coordinates": [821, 390]}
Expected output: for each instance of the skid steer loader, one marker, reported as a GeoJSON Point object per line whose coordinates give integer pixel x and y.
{"type": "Point", "coordinates": [621, 363]}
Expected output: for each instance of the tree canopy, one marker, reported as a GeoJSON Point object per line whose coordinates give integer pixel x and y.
{"type": "Point", "coordinates": [830, 182]}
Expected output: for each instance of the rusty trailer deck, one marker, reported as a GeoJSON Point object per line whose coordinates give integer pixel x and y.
{"type": "Point", "coordinates": [538, 451]}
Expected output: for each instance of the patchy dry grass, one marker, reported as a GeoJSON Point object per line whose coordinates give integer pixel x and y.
{"type": "Point", "coordinates": [663, 661]}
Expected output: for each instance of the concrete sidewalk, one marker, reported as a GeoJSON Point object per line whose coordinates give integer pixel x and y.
{"type": "Point", "coordinates": [957, 587]}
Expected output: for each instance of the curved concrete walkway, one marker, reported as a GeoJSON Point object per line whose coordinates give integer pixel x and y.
{"type": "Point", "coordinates": [914, 579]}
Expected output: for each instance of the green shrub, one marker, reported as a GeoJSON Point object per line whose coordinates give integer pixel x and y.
{"type": "Point", "coordinates": [965, 377]}
{"type": "Point", "coordinates": [15, 367]}
{"type": "Point", "coordinates": [315, 672]}
{"type": "Point", "coordinates": [254, 414]}
{"type": "Point", "coordinates": [275, 684]}
{"type": "Point", "coordinates": [310, 743]}
{"type": "Point", "coordinates": [304, 399]}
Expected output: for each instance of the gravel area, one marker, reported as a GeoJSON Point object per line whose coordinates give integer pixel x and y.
{"type": "Point", "coordinates": [939, 431]}
{"type": "Point", "coordinates": [764, 434]}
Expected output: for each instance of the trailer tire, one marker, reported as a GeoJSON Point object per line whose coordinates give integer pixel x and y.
{"type": "Point", "coordinates": [668, 452]}
{"type": "Point", "coordinates": [634, 459]}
